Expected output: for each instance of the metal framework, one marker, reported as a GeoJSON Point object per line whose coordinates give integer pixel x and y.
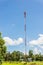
{"type": "Point", "coordinates": [25, 30]}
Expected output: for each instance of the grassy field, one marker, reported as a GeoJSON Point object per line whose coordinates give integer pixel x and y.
{"type": "Point", "coordinates": [22, 63]}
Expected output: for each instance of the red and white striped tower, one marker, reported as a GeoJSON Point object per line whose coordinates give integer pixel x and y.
{"type": "Point", "coordinates": [25, 31]}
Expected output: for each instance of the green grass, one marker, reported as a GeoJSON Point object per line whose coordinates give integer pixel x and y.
{"type": "Point", "coordinates": [22, 63]}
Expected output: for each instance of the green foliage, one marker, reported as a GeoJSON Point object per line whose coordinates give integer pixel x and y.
{"type": "Point", "coordinates": [39, 57]}
{"type": "Point", "coordinates": [2, 48]}
{"type": "Point", "coordinates": [19, 56]}
{"type": "Point", "coordinates": [30, 53]}
{"type": "Point", "coordinates": [14, 56]}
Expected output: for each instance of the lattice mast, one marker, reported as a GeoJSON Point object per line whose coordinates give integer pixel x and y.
{"type": "Point", "coordinates": [25, 30]}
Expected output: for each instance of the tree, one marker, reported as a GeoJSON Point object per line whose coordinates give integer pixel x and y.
{"type": "Point", "coordinates": [8, 57]}
{"type": "Point", "coordinates": [2, 48]}
{"type": "Point", "coordinates": [30, 53]}
{"type": "Point", "coordinates": [17, 55]}
{"type": "Point", "coordinates": [39, 57]}
{"type": "Point", "coordinates": [13, 56]}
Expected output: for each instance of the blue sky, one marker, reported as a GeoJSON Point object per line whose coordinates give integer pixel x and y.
{"type": "Point", "coordinates": [12, 22]}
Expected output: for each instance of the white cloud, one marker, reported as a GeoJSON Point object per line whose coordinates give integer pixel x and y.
{"type": "Point", "coordinates": [41, 46]}
{"type": "Point", "coordinates": [38, 41]}
{"type": "Point", "coordinates": [37, 44]}
{"type": "Point", "coordinates": [13, 25]}
{"type": "Point", "coordinates": [9, 41]}
{"type": "Point", "coordinates": [41, 35]}
{"type": "Point", "coordinates": [36, 51]}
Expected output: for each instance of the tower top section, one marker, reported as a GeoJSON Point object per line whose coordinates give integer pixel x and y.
{"type": "Point", "coordinates": [25, 14]}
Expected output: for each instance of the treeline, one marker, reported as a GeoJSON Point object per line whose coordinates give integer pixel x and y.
{"type": "Point", "coordinates": [17, 55]}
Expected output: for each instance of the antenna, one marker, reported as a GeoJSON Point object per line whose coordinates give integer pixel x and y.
{"type": "Point", "coordinates": [25, 32]}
